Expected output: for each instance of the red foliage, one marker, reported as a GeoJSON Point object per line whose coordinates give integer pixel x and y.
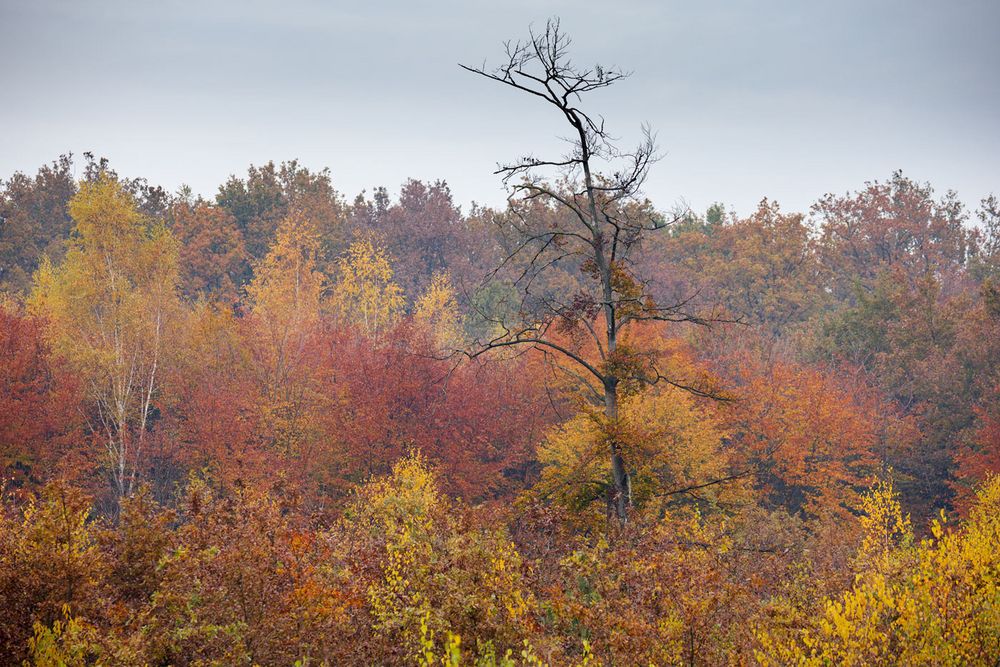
{"type": "Point", "coordinates": [214, 427]}
{"type": "Point", "coordinates": [425, 233]}
{"type": "Point", "coordinates": [477, 422]}
{"type": "Point", "coordinates": [814, 436]}
{"type": "Point", "coordinates": [212, 420]}
{"type": "Point", "coordinates": [39, 403]}
{"type": "Point", "coordinates": [893, 225]}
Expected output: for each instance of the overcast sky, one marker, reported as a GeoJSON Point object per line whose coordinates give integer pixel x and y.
{"type": "Point", "coordinates": [783, 99]}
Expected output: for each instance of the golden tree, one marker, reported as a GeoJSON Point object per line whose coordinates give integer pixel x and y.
{"type": "Point", "coordinates": [366, 294]}
{"type": "Point", "coordinates": [285, 298]}
{"type": "Point", "coordinates": [437, 311]}
{"type": "Point", "coordinates": [286, 291]}
{"type": "Point", "coordinates": [678, 442]}
{"type": "Point", "coordinates": [109, 307]}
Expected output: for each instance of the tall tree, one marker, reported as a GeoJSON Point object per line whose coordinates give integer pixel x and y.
{"type": "Point", "coordinates": [109, 307]}
{"type": "Point", "coordinates": [285, 298]}
{"type": "Point", "coordinates": [601, 222]}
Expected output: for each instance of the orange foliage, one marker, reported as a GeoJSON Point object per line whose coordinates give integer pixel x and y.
{"type": "Point", "coordinates": [978, 461]}
{"type": "Point", "coordinates": [212, 257]}
{"type": "Point", "coordinates": [813, 436]}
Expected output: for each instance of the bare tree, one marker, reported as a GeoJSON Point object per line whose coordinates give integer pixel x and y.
{"type": "Point", "coordinates": [563, 212]}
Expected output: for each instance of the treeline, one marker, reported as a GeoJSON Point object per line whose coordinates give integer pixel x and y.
{"type": "Point", "coordinates": [263, 428]}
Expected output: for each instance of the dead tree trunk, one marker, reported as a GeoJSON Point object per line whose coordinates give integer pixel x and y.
{"type": "Point", "coordinates": [600, 218]}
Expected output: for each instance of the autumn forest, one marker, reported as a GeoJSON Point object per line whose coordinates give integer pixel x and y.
{"type": "Point", "coordinates": [288, 425]}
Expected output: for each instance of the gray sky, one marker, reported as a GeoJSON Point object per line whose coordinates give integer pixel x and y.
{"type": "Point", "coordinates": [784, 99]}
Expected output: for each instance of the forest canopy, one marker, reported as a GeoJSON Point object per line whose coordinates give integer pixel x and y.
{"type": "Point", "coordinates": [281, 425]}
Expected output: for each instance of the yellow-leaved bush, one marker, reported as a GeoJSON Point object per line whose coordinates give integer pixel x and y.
{"type": "Point", "coordinates": [440, 576]}
{"type": "Point", "coordinates": [932, 603]}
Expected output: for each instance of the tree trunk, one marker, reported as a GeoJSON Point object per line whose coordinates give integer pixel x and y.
{"type": "Point", "coordinates": [620, 497]}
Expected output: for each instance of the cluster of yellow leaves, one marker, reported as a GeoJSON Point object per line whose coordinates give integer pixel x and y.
{"type": "Point", "coordinates": [366, 294]}
{"type": "Point", "coordinates": [935, 603]}
{"type": "Point", "coordinates": [885, 527]}
{"type": "Point", "coordinates": [287, 286]}
{"type": "Point", "coordinates": [439, 578]}
{"type": "Point", "coordinates": [112, 289]}
{"type": "Point", "coordinates": [672, 442]}
{"type": "Point", "coordinates": [402, 508]}
{"type": "Point", "coordinates": [71, 642]}
{"type": "Point", "coordinates": [437, 310]}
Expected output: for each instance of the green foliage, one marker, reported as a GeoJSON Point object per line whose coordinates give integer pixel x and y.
{"type": "Point", "coordinates": [35, 222]}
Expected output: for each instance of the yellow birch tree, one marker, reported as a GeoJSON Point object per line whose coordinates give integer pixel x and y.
{"type": "Point", "coordinates": [366, 294]}
{"type": "Point", "coordinates": [109, 306]}
{"type": "Point", "coordinates": [437, 311]}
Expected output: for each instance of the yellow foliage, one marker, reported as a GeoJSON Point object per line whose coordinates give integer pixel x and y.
{"type": "Point", "coordinates": [210, 340]}
{"type": "Point", "coordinates": [672, 441]}
{"type": "Point", "coordinates": [438, 577]}
{"type": "Point", "coordinates": [287, 286]}
{"type": "Point", "coordinates": [401, 505]}
{"type": "Point", "coordinates": [110, 306]}
{"type": "Point", "coordinates": [437, 310]}
{"type": "Point", "coordinates": [366, 294]}
{"type": "Point", "coordinates": [285, 296]}
{"type": "Point", "coordinates": [285, 299]}
{"type": "Point", "coordinates": [115, 283]}
{"type": "Point", "coordinates": [72, 642]}
{"type": "Point", "coordinates": [885, 527]}
{"type": "Point", "coordinates": [942, 607]}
